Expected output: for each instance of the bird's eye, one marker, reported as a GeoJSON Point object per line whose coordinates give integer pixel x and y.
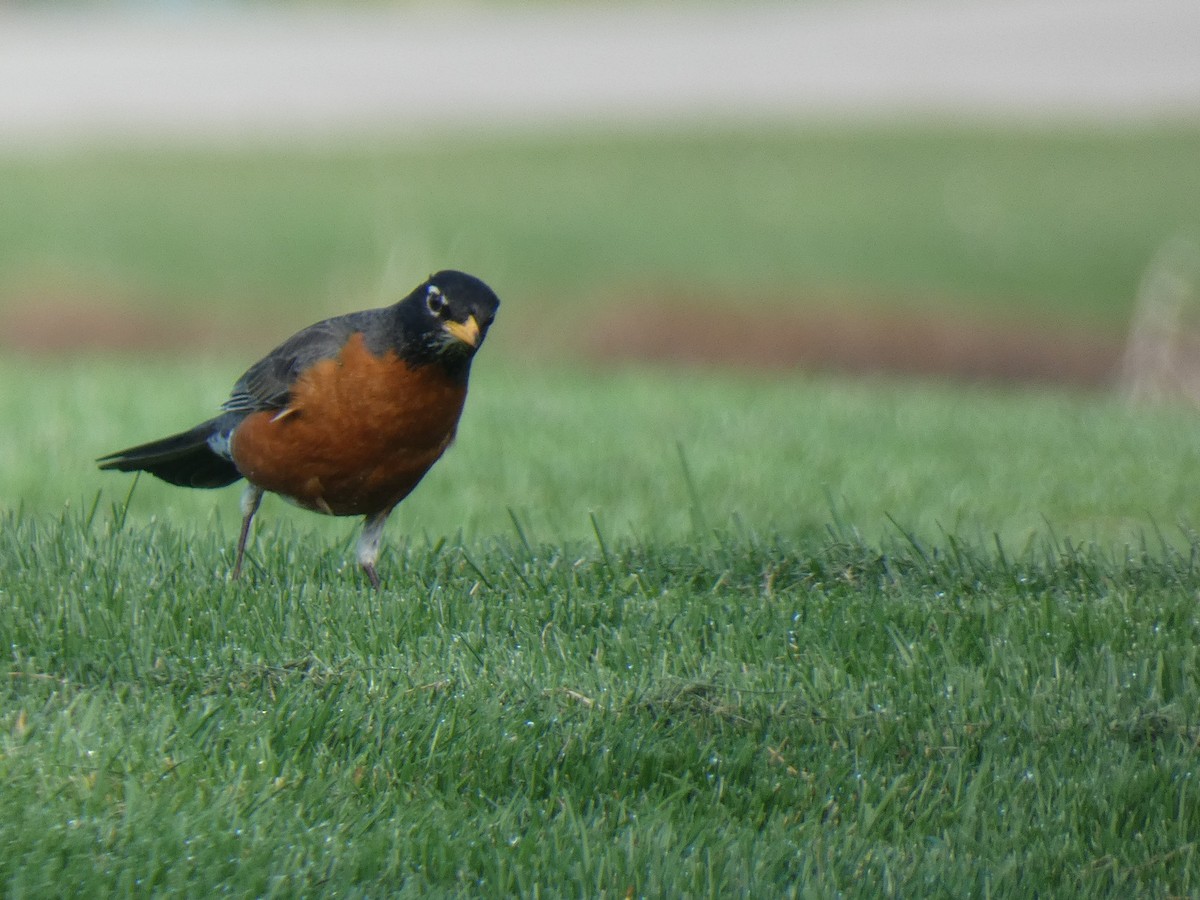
{"type": "Point", "coordinates": [435, 300]}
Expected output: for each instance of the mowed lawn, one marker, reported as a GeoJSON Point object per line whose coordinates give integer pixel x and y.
{"type": "Point", "coordinates": [659, 455]}
{"type": "Point", "coordinates": [644, 631]}
{"type": "Point", "coordinates": [701, 635]}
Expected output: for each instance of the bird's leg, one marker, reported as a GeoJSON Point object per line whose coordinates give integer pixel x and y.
{"type": "Point", "coordinates": [368, 544]}
{"type": "Point", "coordinates": [251, 497]}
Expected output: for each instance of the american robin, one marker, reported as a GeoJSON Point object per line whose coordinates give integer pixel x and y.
{"type": "Point", "coordinates": [343, 418]}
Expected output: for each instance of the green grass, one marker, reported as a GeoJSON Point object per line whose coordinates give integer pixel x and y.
{"type": "Point", "coordinates": [1058, 224]}
{"type": "Point", "coordinates": [732, 677]}
{"type": "Point", "coordinates": [655, 454]}
{"type": "Point", "coordinates": [735, 716]}
{"type": "Point", "coordinates": [643, 632]}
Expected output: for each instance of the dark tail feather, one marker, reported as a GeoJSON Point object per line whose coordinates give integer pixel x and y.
{"type": "Point", "coordinates": [185, 459]}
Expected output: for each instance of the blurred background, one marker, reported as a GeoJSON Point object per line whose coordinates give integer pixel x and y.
{"type": "Point", "coordinates": [957, 190]}
{"type": "Point", "coordinates": [971, 188]}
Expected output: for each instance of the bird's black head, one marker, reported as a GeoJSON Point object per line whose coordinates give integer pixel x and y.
{"type": "Point", "coordinates": [446, 318]}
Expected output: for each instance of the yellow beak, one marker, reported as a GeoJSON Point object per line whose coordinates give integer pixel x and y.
{"type": "Point", "coordinates": [467, 332]}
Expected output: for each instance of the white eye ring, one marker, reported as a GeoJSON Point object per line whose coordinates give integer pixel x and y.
{"type": "Point", "coordinates": [434, 300]}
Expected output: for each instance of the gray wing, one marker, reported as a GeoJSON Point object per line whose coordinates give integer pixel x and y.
{"type": "Point", "coordinates": [268, 383]}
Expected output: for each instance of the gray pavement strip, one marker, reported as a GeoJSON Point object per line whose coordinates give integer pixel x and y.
{"type": "Point", "coordinates": [314, 73]}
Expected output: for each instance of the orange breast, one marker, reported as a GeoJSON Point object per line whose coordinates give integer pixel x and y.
{"type": "Point", "coordinates": [360, 431]}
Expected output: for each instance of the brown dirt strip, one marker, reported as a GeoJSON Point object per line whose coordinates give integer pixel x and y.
{"type": "Point", "coordinates": [662, 332]}
{"type": "Point", "coordinates": [859, 341]}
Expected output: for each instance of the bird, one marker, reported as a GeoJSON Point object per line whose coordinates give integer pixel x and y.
{"type": "Point", "coordinates": [343, 418]}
